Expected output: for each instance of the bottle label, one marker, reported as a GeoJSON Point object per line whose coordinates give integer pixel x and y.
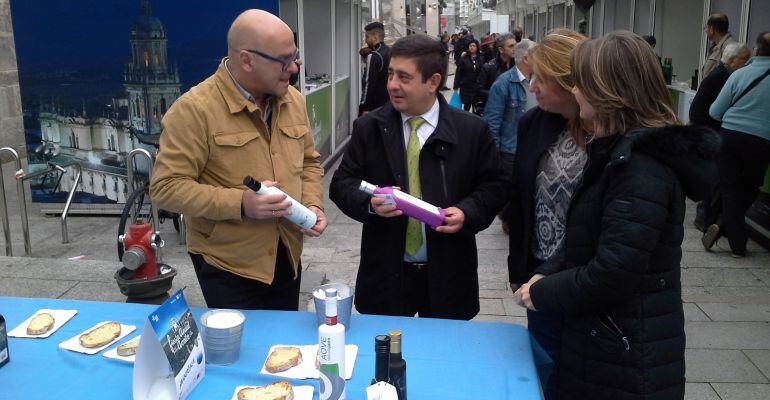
{"type": "Point", "coordinates": [417, 202]}
{"type": "Point", "coordinates": [3, 344]}
{"type": "Point", "coordinates": [331, 386]}
{"type": "Point", "coordinates": [381, 391]}
{"type": "Point", "coordinates": [331, 320]}
{"type": "Point", "coordinates": [388, 198]}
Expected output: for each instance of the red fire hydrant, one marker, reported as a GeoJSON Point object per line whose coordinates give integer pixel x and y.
{"type": "Point", "coordinates": [141, 244]}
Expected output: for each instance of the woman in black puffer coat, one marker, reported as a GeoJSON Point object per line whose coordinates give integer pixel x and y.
{"type": "Point", "coordinates": [467, 73]}
{"type": "Point", "coordinates": [618, 285]}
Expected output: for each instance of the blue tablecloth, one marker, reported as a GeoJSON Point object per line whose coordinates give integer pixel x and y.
{"type": "Point", "coordinates": [445, 359]}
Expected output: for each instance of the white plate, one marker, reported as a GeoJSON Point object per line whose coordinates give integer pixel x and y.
{"type": "Point", "coordinates": [306, 369]}
{"type": "Point", "coordinates": [73, 343]}
{"type": "Point", "coordinates": [113, 352]}
{"type": "Point", "coordinates": [300, 392]}
{"type": "Point", "coordinates": [60, 317]}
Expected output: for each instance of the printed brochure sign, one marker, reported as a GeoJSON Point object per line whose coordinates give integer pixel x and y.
{"type": "Point", "coordinates": [170, 360]}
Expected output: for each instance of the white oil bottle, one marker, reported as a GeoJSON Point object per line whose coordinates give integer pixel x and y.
{"type": "Point", "coordinates": [331, 352]}
{"type": "Point", "coordinates": [300, 215]}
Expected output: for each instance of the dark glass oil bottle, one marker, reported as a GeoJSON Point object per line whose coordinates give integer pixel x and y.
{"type": "Point", "coordinates": [4, 356]}
{"type": "Point", "coordinates": [397, 367]}
{"type": "Point", "coordinates": [382, 357]}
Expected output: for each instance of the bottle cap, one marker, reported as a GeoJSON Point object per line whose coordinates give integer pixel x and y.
{"type": "Point", "coordinates": [330, 305]}
{"type": "Point", "coordinates": [367, 187]}
{"type": "Point", "coordinates": [382, 344]}
{"type": "Point", "coordinates": [395, 341]}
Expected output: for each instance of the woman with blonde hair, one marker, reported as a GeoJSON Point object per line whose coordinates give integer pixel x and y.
{"type": "Point", "coordinates": [618, 287]}
{"type": "Point", "coordinates": [549, 161]}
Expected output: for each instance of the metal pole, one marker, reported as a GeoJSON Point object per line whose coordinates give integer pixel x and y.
{"type": "Point", "coordinates": [130, 173]}
{"type": "Point", "coordinates": [22, 207]}
{"type": "Point", "coordinates": [4, 212]}
{"type": "Point", "coordinates": [64, 235]}
{"type": "Point", "coordinates": [182, 230]}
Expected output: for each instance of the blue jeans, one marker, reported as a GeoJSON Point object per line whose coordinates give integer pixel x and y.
{"type": "Point", "coordinates": [546, 329]}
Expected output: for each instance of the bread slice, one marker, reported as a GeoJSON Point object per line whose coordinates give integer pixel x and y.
{"type": "Point", "coordinates": [283, 358]}
{"type": "Point", "coordinates": [40, 324]}
{"type": "Point", "coordinates": [275, 391]}
{"type": "Point", "coordinates": [128, 349]}
{"type": "Point", "coordinates": [100, 335]}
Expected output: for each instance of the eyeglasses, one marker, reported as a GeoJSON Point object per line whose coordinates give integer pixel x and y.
{"type": "Point", "coordinates": [285, 63]}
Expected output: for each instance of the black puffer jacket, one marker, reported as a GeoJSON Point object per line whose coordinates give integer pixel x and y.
{"type": "Point", "coordinates": [489, 73]}
{"type": "Point", "coordinates": [466, 77]}
{"type": "Point", "coordinates": [619, 287]}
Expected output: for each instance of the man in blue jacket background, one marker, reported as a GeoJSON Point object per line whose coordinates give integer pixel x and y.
{"type": "Point", "coordinates": [509, 98]}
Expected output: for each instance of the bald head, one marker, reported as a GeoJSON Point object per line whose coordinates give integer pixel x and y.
{"type": "Point", "coordinates": [254, 29]}
{"type": "Point", "coordinates": [763, 44]}
{"type": "Point", "coordinates": [261, 53]}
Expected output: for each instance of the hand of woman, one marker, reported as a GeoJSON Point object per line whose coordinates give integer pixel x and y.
{"type": "Point", "coordinates": [522, 297]}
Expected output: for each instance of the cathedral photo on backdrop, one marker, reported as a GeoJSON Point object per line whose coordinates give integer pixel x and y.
{"type": "Point", "coordinates": [96, 79]}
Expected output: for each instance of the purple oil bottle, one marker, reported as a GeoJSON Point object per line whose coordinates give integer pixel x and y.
{"type": "Point", "coordinates": [406, 203]}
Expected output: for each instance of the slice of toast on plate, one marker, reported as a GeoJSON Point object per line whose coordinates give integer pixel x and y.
{"type": "Point", "coordinates": [128, 349]}
{"type": "Point", "coordinates": [100, 335]}
{"type": "Point", "coordinates": [275, 391]}
{"type": "Point", "coordinates": [283, 358]}
{"type": "Point", "coordinates": [40, 324]}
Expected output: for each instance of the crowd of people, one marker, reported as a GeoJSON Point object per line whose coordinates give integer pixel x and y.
{"type": "Point", "coordinates": [582, 157]}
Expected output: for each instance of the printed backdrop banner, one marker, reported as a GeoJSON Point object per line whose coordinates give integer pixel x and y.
{"type": "Point", "coordinates": [97, 77]}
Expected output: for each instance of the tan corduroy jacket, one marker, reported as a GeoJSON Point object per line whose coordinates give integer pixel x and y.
{"type": "Point", "coordinates": [212, 138]}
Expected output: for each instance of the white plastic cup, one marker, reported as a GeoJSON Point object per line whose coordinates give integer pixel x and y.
{"type": "Point", "coordinates": [222, 331]}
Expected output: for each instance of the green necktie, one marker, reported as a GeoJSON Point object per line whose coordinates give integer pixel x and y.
{"type": "Point", "coordinates": [414, 227]}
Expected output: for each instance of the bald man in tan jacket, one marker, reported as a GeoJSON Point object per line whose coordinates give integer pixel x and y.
{"type": "Point", "coordinates": [245, 120]}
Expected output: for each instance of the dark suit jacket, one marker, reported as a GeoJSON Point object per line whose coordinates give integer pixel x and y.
{"type": "Point", "coordinates": [459, 167]}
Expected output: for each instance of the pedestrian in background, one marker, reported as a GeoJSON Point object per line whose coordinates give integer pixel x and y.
{"type": "Point", "coordinates": [718, 32]}
{"type": "Point", "coordinates": [466, 75]}
{"type": "Point", "coordinates": [374, 81]}
{"type": "Point", "coordinates": [488, 48]}
{"type": "Point", "coordinates": [518, 33]}
{"type": "Point", "coordinates": [709, 210]}
{"type": "Point", "coordinates": [743, 106]}
{"type": "Point", "coordinates": [491, 70]}
{"type": "Point", "coordinates": [508, 101]}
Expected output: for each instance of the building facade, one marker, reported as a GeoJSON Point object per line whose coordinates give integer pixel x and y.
{"type": "Point", "coordinates": [151, 83]}
{"type": "Point", "coordinates": [676, 24]}
{"type": "Point", "coordinates": [101, 143]}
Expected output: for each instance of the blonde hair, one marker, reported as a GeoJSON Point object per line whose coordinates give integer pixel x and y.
{"type": "Point", "coordinates": [551, 58]}
{"type": "Point", "coordinates": [620, 76]}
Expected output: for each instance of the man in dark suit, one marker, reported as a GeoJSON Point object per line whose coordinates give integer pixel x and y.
{"type": "Point", "coordinates": [435, 152]}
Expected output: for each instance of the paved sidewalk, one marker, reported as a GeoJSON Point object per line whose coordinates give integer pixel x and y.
{"type": "Point", "coordinates": [727, 300]}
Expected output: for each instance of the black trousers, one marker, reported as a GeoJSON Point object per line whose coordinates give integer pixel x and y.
{"type": "Point", "coordinates": [415, 283]}
{"type": "Point", "coordinates": [223, 289]}
{"type": "Point", "coordinates": [742, 165]}
{"type": "Point", "coordinates": [506, 163]}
